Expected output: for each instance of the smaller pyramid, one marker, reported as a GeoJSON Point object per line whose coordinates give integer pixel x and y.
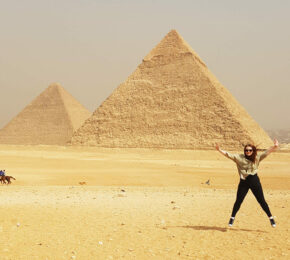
{"type": "Point", "coordinates": [51, 118]}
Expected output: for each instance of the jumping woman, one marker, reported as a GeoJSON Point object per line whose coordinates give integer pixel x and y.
{"type": "Point", "coordinates": [247, 165]}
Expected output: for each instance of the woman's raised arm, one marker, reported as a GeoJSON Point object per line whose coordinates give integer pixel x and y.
{"type": "Point", "coordinates": [221, 151]}
{"type": "Point", "coordinates": [273, 148]}
{"type": "Point", "coordinates": [225, 153]}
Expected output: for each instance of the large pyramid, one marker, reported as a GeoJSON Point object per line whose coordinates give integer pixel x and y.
{"type": "Point", "coordinates": [51, 118]}
{"type": "Point", "coordinates": [171, 100]}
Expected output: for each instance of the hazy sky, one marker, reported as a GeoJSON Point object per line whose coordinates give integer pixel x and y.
{"type": "Point", "coordinates": [91, 46]}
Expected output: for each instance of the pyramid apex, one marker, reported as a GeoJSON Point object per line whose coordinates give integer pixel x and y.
{"type": "Point", "coordinates": [55, 85]}
{"type": "Point", "coordinates": [173, 32]}
{"type": "Point", "coordinates": [174, 36]}
{"type": "Point", "coordinates": [172, 44]}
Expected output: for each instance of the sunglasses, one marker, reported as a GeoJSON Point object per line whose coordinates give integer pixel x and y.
{"type": "Point", "coordinates": [249, 150]}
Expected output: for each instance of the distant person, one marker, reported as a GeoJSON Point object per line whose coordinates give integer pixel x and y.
{"type": "Point", "coordinates": [247, 165]}
{"type": "Point", "coordinates": [2, 176]}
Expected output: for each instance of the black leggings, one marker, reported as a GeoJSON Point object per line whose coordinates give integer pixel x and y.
{"type": "Point", "coordinates": [251, 182]}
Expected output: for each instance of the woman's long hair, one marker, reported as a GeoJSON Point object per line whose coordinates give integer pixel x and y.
{"type": "Point", "coordinates": [254, 153]}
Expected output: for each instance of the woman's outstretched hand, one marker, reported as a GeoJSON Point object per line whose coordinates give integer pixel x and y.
{"type": "Point", "coordinates": [218, 148]}
{"type": "Point", "coordinates": [273, 148]}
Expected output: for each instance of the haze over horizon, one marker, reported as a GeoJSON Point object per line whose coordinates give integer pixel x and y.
{"type": "Point", "coordinates": [90, 47]}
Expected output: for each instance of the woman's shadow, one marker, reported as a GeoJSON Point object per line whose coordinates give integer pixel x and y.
{"type": "Point", "coordinates": [221, 229]}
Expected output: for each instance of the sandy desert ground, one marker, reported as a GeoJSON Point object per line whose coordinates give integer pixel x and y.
{"type": "Point", "coordinates": [93, 203]}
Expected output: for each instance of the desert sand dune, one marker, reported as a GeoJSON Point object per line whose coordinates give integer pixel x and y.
{"type": "Point", "coordinates": [137, 204]}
